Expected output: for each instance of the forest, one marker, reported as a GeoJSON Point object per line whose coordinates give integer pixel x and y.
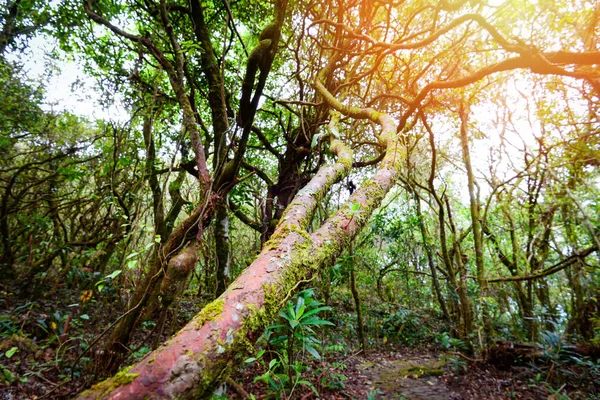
{"type": "Point", "coordinates": [300, 199]}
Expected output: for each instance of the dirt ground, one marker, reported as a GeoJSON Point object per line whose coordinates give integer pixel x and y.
{"type": "Point", "coordinates": [408, 373]}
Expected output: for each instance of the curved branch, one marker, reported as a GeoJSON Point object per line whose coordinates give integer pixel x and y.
{"type": "Point", "coordinates": [567, 262]}
{"type": "Point", "coordinates": [243, 217]}
{"type": "Point", "coordinates": [261, 174]}
{"type": "Point", "coordinates": [263, 139]}
{"type": "Point", "coordinates": [540, 63]}
{"type": "Point", "coordinates": [367, 163]}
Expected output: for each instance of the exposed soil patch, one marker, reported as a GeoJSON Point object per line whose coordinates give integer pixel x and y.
{"type": "Point", "coordinates": [398, 374]}
{"type": "Point", "coordinates": [412, 377]}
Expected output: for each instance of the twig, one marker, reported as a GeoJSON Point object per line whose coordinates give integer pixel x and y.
{"type": "Point", "coordinates": [42, 378]}
{"type": "Point", "coordinates": [292, 290]}
{"type": "Point", "coordinates": [58, 386]}
{"type": "Point", "coordinates": [238, 388]}
{"type": "Point", "coordinates": [351, 357]}
{"type": "Point", "coordinates": [458, 353]}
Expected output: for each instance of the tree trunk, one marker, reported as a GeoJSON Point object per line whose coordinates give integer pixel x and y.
{"type": "Point", "coordinates": [465, 325]}
{"type": "Point", "coordinates": [475, 222]}
{"type": "Point", "coordinates": [117, 344]}
{"type": "Point", "coordinates": [359, 319]}
{"type": "Point", "coordinates": [434, 278]}
{"type": "Point", "coordinates": [202, 354]}
{"type": "Point", "coordinates": [222, 249]}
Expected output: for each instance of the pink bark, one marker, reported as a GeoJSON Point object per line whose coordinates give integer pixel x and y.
{"type": "Point", "coordinates": [192, 363]}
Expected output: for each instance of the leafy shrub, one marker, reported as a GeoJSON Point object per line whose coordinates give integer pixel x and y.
{"type": "Point", "coordinates": [292, 341]}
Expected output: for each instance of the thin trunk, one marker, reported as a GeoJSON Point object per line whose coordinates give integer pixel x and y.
{"type": "Point", "coordinates": [7, 261]}
{"type": "Point", "coordinates": [466, 309]}
{"type": "Point", "coordinates": [578, 322]}
{"type": "Point", "coordinates": [117, 345]}
{"type": "Point", "coordinates": [451, 273]}
{"type": "Point", "coordinates": [222, 249]}
{"type": "Point", "coordinates": [359, 319]}
{"type": "Point", "coordinates": [157, 195]}
{"type": "Point", "coordinates": [434, 278]}
{"type": "Point", "coordinates": [475, 223]}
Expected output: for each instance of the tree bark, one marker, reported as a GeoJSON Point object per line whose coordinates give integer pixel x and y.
{"type": "Point", "coordinates": [202, 354]}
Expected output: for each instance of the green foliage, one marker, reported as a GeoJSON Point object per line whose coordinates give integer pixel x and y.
{"type": "Point", "coordinates": [6, 376]}
{"type": "Point", "coordinates": [332, 379]}
{"type": "Point", "coordinates": [293, 341]}
{"type": "Point", "coordinates": [107, 280]}
{"type": "Point", "coordinates": [455, 346]}
{"type": "Point", "coordinates": [407, 327]}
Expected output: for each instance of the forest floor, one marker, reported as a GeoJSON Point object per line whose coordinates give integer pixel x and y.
{"type": "Point", "coordinates": [41, 342]}
{"type": "Point", "coordinates": [390, 373]}
{"type": "Point", "coordinates": [409, 373]}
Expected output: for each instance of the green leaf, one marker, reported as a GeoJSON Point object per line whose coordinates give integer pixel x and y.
{"type": "Point", "coordinates": [273, 363]}
{"type": "Point", "coordinates": [6, 376]}
{"type": "Point", "coordinates": [11, 352]}
{"type": "Point", "coordinates": [313, 352]}
{"type": "Point", "coordinates": [317, 321]}
{"type": "Point", "coordinates": [316, 310]}
{"type": "Point", "coordinates": [283, 314]}
{"type": "Point", "coordinates": [299, 307]}
{"type": "Point", "coordinates": [310, 385]}
{"type": "Point", "coordinates": [114, 274]}
{"type": "Point", "coordinates": [315, 140]}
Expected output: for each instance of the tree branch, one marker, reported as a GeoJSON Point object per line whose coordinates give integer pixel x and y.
{"type": "Point", "coordinates": [580, 255]}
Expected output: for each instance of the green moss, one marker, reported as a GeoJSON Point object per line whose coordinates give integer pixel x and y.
{"type": "Point", "coordinates": [366, 365]}
{"type": "Point", "coordinates": [277, 237]}
{"type": "Point", "coordinates": [209, 313]}
{"type": "Point", "coordinates": [123, 377]}
{"type": "Point", "coordinates": [275, 241]}
{"type": "Point", "coordinates": [420, 371]}
{"type": "Point", "coordinates": [344, 157]}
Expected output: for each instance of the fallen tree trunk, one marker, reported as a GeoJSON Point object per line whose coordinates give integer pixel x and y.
{"type": "Point", "coordinates": [201, 355]}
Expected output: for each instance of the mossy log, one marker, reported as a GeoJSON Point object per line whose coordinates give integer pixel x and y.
{"type": "Point", "coordinates": [201, 355]}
